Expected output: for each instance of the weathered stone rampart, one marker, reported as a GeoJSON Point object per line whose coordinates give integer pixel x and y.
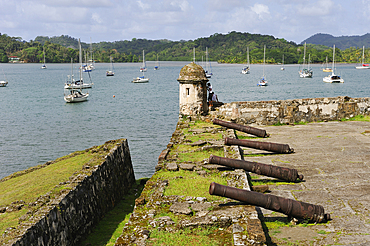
{"type": "Point", "coordinates": [66, 219]}
{"type": "Point", "coordinates": [293, 111]}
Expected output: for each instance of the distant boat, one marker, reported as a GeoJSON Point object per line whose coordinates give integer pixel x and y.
{"type": "Point", "coordinates": [282, 67]}
{"type": "Point", "coordinates": [246, 68]}
{"type": "Point", "coordinates": [143, 67]}
{"type": "Point", "coordinates": [208, 66]}
{"type": "Point", "coordinates": [75, 95]}
{"type": "Point", "coordinates": [89, 63]}
{"type": "Point", "coordinates": [141, 79]}
{"type": "Point", "coordinates": [327, 68]}
{"type": "Point", "coordinates": [363, 66]}
{"type": "Point", "coordinates": [305, 72]}
{"type": "Point", "coordinates": [263, 81]}
{"type": "Point", "coordinates": [78, 84]}
{"type": "Point", "coordinates": [333, 78]}
{"type": "Point", "coordinates": [4, 82]}
{"type": "Point", "coordinates": [156, 67]}
{"type": "Point", "coordinates": [43, 65]}
{"type": "Point", "coordinates": [110, 72]}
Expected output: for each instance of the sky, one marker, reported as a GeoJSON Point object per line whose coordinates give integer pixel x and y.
{"type": "Point", "coordinates": [116, 20]}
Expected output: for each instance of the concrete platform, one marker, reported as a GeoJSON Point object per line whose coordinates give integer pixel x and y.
{"type": "Point", "coordinates": [334, 158]}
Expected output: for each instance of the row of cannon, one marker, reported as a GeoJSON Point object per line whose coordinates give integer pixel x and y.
{"type": "Point", "coordinates": [292, 208]}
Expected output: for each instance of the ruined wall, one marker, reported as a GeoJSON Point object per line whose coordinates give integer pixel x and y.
{"type": "Point", "coordinates": [66, 219]}
{"type": "Point", "coordinates": [293, 111]}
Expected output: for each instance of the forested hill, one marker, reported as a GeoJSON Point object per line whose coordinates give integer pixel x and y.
{"type": "Point", "coordinates": [342, 42]}
{"type": "Point", "coordinates": [231, 47]}
{"type": "Point", "coordinates": [223, 48]}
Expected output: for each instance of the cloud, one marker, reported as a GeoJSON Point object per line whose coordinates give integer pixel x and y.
{"type": "Point", "coordinates": [261, 10]}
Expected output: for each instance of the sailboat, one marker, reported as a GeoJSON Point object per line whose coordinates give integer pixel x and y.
{"type": "Point", "coordinates": [75, 95]}
{"type": "Point", "coordinates": [363, 65]}
{"type": "Point", "coordinates": [333, 78]}
{"type": "Point", "coordinates": [4, 82]}
{"type": "Point", "coordinates": [327, 68]}
{"type": "Point", "coordinates": [110, 72]}
{"type": "Point", "coordinates": [156, 67]}
{"type": "Point", "coordinates": [143, 68]}
{"type": "Point", "coordinates": [263, 81]}
{"type": "Point", "coordinates": [208, 66]}
{"type": "Point", "coordinates": [79, 84]}
{"type": "Point", "coordinates": [141, 79]}
{"type": "Point", "coordinates": [43, 65]}
{"type": "Point", "coordinates": [305, 72]}
{"type": "Point", "coordinates": [89, 64]}
{"type": "Point", "coordinates": [282, 68]}
{"type": "Point", "coordinates": [246, 69]}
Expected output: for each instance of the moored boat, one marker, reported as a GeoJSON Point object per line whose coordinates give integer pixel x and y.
{"type": "Point", "coordinates": [78, 84]}
{"type": "Point", "coordinates": [3, 83]}
{"type": "Point", "coordinates": [76, 96]}
{"type": "Point", "coordinates": [140, 79]}
{"type": "Point", "coordinates": [363, 65]}
{"type": "Point", "coordinates": [333, 78]}
{"type": "Point", "coordinates": [263, 81]}
{"type": "Point", "coordinates": [110, 72]}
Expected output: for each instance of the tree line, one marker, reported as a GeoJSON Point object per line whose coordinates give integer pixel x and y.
{"type": "Point", "coordinates": [223, 48]}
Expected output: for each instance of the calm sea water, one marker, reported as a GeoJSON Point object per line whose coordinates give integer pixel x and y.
{"type": "Point", "coordinates": [36, 125]}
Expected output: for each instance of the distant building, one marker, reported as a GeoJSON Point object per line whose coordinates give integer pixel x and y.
{"type": "Point", "coordinates": [13, 59]}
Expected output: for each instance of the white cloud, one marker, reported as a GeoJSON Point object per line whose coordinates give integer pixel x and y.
{"type": "Point", "coordinates": [261, 10]}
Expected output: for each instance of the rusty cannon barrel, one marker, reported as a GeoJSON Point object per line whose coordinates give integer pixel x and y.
{"type": "Point", "coordinates": [283, 173]}
{"type": "Point", "coordinates": [248, 129]}
{"type": "Point", "coordinates": [274, 147]}
{"type": "Point", "coordinates": [293, 208]}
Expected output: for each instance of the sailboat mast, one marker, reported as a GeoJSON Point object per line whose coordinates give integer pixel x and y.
{"type": "Point", "coordinates": [304, 54]}
{"type": "Point", "coordinates": [264, 53]}
{"type": "Point", "coordinates": [332, 67]}
{"type": "Point", "coordinates": [194, 54]}
{"type": "Point", "coordinates": [248, 56]}
{"type": "Point", "coordinates": [80, 59]}
{"type": "Point", "coordinates": [207, 59]}
{"type": "Point", "coordinates": [143, 59]}
{"type": "Point", "coordinates": [363, 54]}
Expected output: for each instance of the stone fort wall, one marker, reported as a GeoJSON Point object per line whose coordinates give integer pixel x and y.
{"type": "Point", "coordinates": [67, 219]}
{"type": "Point", "coordinates": [293, 111]}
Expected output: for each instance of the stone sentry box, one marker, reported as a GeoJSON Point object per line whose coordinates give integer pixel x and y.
{"type": "Point", "coordinates": [193, 90]}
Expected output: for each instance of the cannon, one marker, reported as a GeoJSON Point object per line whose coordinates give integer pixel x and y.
{"type": "Point", "coordinates": [248, 129]}
{"type": "Point", "coordinates": [283, 173]}
{"type": "Point", "coordinates": [274, 147]}
{"type": "Point", "coordinates": [292, 208]}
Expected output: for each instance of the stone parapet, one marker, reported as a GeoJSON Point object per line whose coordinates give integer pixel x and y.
{"type": "Point", "coordinates": [66, 219]}
{"type": "Point", "coordinates": [293, 111]}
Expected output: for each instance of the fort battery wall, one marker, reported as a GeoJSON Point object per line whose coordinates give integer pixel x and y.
{"type": "Point", "coordinates": [293, 111]}
{"type": "Point", "coordinates": [66, 219]}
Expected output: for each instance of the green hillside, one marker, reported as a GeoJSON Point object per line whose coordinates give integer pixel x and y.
{"type": "Point", "coordinates": [223, 48]}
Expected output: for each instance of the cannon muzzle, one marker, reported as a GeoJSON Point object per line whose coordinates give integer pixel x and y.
{"type": "Point", "coordinates": [274, 147]}
{"type": "Point", "coordinates": [282, 173]}
{"type": "Point", "coordinates": [293, 208]}
{"type": "Point", "coordinates": [248, 129]}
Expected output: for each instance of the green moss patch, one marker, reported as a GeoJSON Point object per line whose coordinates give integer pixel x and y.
{"type": "Point", "coordinates": [212, 236]}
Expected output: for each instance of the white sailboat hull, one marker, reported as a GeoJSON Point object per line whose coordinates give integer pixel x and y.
{"type": "Point", "coordinates": [3, 83]}
{"type": "Point", "coordinates": [140, 80]}
{"type": "Point", "coordinates": [333, 79]}
{"type": "Point", "coordinates": [363, 67]}
{"type": "Point", "coordinates": [77, 86]}
{"type": "Point", "coordinates": [72, 98]}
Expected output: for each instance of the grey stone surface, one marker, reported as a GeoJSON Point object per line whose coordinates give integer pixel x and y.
{"type": "Point", "coordinates": [334, 158]}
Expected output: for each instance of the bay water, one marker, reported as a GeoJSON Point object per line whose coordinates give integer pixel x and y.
{"type": "Point", "coordinates": [37, 125]}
